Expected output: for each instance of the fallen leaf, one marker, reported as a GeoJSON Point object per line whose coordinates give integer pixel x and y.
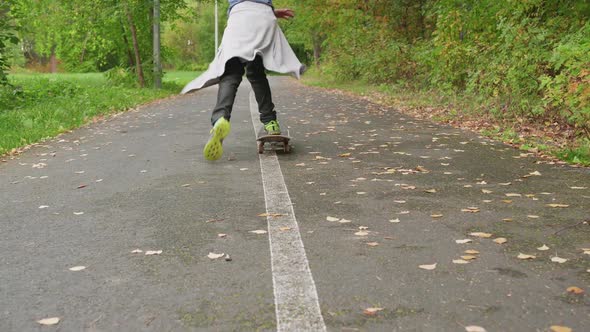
{"type": "Point", "coordinates": [77, 268]}
{"type": "Point", "coordinates": [543, 248]}
{"type": "Point", "coordinates": [332, 219]}
{"type": "Point", "coordinates": [43, 206]}
{"type": "Point", "coordinates": [468, 257]}
{"type": "Point", "coordinates": [575, 290]}
{"type": "Point", "coordinates": [395, 221]}
{"type": "Point", "coordinates": [471, 252]}
{"type": "Point", "coordinates": [532, 216]}
{"type": "Point", "coordinates": [535, 173]}
{"type": "Point", "coordinates": [371, 311]}
{"type": "Point", "coordinates": [283, 229]}
{"type": "Point", "coordinates": [361, 233]}
{"type": "Point", "coordinates": [460, 261]}
{"type": "Point", "coordinates": [213, 255]}
{"type": "Point", "coordinates": [221, 235]}
{"type": "Point", "coordinates": [470, 210]}
{"type": "Point", "coordinates": [136, 251]}
{"type": "Point", "coordinates": [344, 155]}
{"type": "Point", "coordinates": [436, 215]}
{"type": "Point", "coordinates": [463, 241]}
{"type": "Point", "coordinates": [558, 205]}
{"type": "Point", "coordinates": [474, 328]}
{"type": "Point", "coordinates": [362, 228]}
{"type": "Point", "coordinates": [259, 231]}
{"type": "Point", "coordinates": [525, 256]}
{"type": "Point", "coordinates": [507, 219]}
{"type": "Point", "coordinates": [481, 234]}
{"type": "Point", "coordinates": [153, 252]}
{"type": "Point", "coordinates": [373, 244]}
{"type": "Point", "coordinates": [557, 328]}
{"type": "Point", "coordinates": [485, 191]}
{"type": "Point", "coordinates": [428, 266]}
{"type": "Point", "coordinates": [558, 260]}
{"type": "Point", "coordinates": [48, 321]}
{"type": "Point", "coordinates": [513, 195]}
{"type": "Point", "coordinates": [344, 221]}
{"type": "Point", "coordinates": [432, 191]}
{"type": "Point", "coordinates": [78, 213]}
{"type": "Point", "coordinates": [578, 188]}
{"type": "Point", "coordinates": [500, 240]}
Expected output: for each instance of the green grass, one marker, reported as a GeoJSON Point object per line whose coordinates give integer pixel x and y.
{"type": "Point", "coordinates": [46, 105]}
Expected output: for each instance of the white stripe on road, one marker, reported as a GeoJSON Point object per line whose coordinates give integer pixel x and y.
{"type": "Point", "coordinates": [296, 299]}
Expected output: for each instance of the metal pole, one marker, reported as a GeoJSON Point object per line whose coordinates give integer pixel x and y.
{"type": "Point", "coordinates": [216, 28]}
{"type": "Point", "coordinates": [157, 62]}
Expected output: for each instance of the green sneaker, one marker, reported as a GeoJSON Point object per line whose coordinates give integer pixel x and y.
{"type": "Point", "coordinates": [272, 127]}
{"type": "Point", "coordinates": [213, 149]}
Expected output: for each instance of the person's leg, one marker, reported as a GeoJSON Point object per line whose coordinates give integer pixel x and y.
{"type": "Point", "coordinates": [257, 77]}
{"type": "Point", "coordinates": [228, 87]}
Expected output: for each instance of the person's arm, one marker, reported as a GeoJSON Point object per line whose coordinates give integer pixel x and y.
{"type": "Point", "coordinates": [285, 13]}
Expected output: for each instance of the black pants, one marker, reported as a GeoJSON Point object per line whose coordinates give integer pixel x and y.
{"type": "Point", "coordinates": [228, 87]}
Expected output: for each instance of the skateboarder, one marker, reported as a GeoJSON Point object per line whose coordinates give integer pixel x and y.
{"type": "Point", "coordinates": [251, 43]}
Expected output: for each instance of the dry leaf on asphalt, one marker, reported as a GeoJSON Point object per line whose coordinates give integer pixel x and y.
{"type": "Point", "coordinates": [463, 241]}
{"type": "Point", "coordinates": [460, 261]}
{"type": "Point", "coordinates": [428, 266]}
{"type": "Point", "coordinates": [558, 205]}
{"type": "Point", "coordinates": [557, 328]}
{"type": "Point", "coordinates": [432, 191]}
{"type": "Point", "coordinates": [361, 233]}
{"type": "Point", "coordinates": [474, 328]}
{"type": "Point", "coordinates": [500, 240]}
{"type": "Point", "coordinates": [48, 321]}
{"type": "Point", "coordinates": [395, 221]}
{"type": "Point", "coordinates": [344, 221]}
{"type": "Point", "coordinates": [481, 234]}
{"type": "Point", "coordinates": [213, 255]}
{"type": "Point", "coordinates": [136, 251]}
{"type": "Point", "coordinates": [77, 268]}
{"type": "Point", "coordinates": [371, 311]}
{"type": "Point", "coordinates": [485, 191]}
{"type": "Point", "coordinates": [558, 260]}
{"type": "Point", "coordinates": [332, 219]}
{"type": "Point", "coordinates": [471, 209]}
{"type": "Point", "coordinates": [270, 215]}
{"type": "Point", "coordinates": [436, 215]}
{"type": "Point", "coordinates": [575, 290]}
{"type": "Point", "coordinates": [221, 235]}
{"type": "Point", "coordinates": [525, 256]}
{"type": "Point", "coordinates": [543, 248]}
{"type": "Point", "coordinates": [283, 229]}
{"type": "Point", "coordinates": [471, 252]}
{"type": "Point", "coordinates": [153, 252]}
{"type": "Point", "coordinates": [372, 244]}
{"type": "Point", "coordinates": [468, 257]}
{"type": "Point", "coordinates": [259, 231]}
{"type": "Point", "coordinates": [532, 216]}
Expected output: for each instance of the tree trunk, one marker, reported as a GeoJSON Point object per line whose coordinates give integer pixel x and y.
{"type": "Point", "coordinates": [53, 61]}
{"type": "Point", "coordinates": [138, 68]}
{"type": "Point", "coordinates": [127, 48]}
{"type": "Point", "coordinates": [317, 49]}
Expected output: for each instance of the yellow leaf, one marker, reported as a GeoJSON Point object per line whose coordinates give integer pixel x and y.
{"type": "Point", "coordinates": [500, 240]}
{"type": "Point", "coordinates": [428, 266]}
{"type": "Point", "coordinates": [575, 290]}
{"type": "Point", "coordinates": [525, 256]}
{"type": "Point", "coordinates": [481, 234]}
{"type": "Point", "coordinates": [558, 205]}
{"type": "Point", "coordinates": [468, 257]}
{"type": "Point", "coordinates": [557, 328]}
{"type": "Point", "coordinates": [471, 252]}
{"type": "Point", "coordinates": [48, 321]}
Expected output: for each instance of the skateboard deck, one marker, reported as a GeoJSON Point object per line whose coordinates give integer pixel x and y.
{"type": "Point", "coordinates": [274, 141]}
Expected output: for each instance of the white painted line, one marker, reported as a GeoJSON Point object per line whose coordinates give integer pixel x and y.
{"type": "Point", "coordinates": [296, 300]}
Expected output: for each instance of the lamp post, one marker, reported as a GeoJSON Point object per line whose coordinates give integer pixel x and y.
{"type": "Point", "coordinates": [216, 27]}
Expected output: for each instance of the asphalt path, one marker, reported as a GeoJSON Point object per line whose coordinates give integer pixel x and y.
{"type": "Point", "coordinates": [310, 240]}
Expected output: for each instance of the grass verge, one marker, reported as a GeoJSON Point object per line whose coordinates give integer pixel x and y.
{"type": "Point", "coordinates": [540, 136]}
{"type": "Point", "coordinates": [41, 106]}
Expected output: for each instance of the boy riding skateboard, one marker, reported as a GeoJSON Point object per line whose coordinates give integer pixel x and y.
{"type": "Point", "coordinates": [252, 43]}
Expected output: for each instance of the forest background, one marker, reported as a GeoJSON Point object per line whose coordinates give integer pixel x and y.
{"type": "Point", "coordinates": [515, 69]}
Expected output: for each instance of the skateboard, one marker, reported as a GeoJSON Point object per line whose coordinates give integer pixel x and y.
{"type": "Point", "coordinates": [275, 141]}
